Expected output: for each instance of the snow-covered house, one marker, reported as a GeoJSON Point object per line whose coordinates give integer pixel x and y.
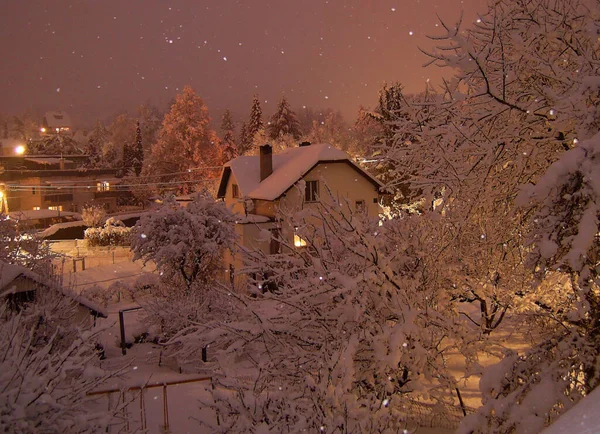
{"type": "Point", "coordinates": [257, 187]}
{"type": "Point", "coordinates": [20, 285]}
{"type": "Point", "coordinates": [55, 122]}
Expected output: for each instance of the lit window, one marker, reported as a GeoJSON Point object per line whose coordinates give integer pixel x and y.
{"type": "Point", "coordinates": [55, 208]}
{"type": "Point", "coordinates": [36, 208]}
{"type": "Point", "coordinates": [311, 193]}
{"type": "Point", "coordinates": [103, 186]}
{"type": "Point", "coordinates": [299, 242]}
{"type": "Point", "coordinates": [235, 191]}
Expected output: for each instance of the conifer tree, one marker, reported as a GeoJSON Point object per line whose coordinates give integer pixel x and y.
{"type": "Point", "coordinates": [255, 123]}
{"type": "Point", "coordinates": [284, 122]}
{"type": "Point", "coordinates": [230, 149]}
{"type": "Point", "coordinates": [244, 142]}
{"type": "Point", "coordinates": [138, 150]}
{"type": "Point", "coordinates": [96, 142]}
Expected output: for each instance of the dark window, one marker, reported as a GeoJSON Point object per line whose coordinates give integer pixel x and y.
{"type": "Point", "coordinates": [360, 207]}
{"type": "Point", "coordinates": [235, 191]}
{"type": "Point", "coordinates": [32, 190]}
{"type": "Point", "coordinates": [312, 191]}
{"type": "Point", "coordinates": [275, 246]}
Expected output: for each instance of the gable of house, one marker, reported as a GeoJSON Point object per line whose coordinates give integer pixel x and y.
{"type": "Point", "coordinates": [288, 168]}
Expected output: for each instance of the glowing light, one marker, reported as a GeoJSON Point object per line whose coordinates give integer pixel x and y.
{"type": "Point", "coordinates": [299, 242]}
{"type": "Point", "coordinates": [20, 150]}
{"type": "Point", "coordinates": [386, 402]}
{"type": "Point", "coordinates": [552, 112]}
{"type": "Point", "coordinates": [143, 236]}
{"type": "Point", "coordinates": [43, 130]}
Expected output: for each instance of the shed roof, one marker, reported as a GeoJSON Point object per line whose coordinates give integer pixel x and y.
{"type": "Point", "coordinates": [10, 272]}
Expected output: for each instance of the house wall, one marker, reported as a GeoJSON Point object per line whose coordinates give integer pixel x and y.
{"type": "Point", "coordinates": [71, 199]}
{"type": "Point", "coordinates": [338, 181]}
{"type": "Point", "coordinates": [235, 204]}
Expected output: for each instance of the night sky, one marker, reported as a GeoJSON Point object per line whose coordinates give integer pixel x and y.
{"type": "Point", "coordinates": [93, 58]}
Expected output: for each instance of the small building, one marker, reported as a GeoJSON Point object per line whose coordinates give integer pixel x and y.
{"type": "Point", "coordinates": [19, 285]}
{"type": "Point", "coordinates": [56, 122]}
{"type": "Point", "coordinates": [59, 183]}
{"type": "Point", "coordinates": [257, 187]}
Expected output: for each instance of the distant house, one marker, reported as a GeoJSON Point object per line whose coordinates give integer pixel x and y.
{"type": "Point", "coordinates": [19, 285]}
{"type": "Point", "coordinates": [56, 122]}
{"type": "Point", "coordinates": [256, 187]}
{"type": "Point", "coordinates": [58, 183]}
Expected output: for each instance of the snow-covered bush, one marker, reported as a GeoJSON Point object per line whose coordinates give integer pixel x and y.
{"type": "Point", "coordinates": [20, 247]}
{"type": "Point", "coordinates": [46, 369]}
{"type": "Point", "coordinates": [114, 233]}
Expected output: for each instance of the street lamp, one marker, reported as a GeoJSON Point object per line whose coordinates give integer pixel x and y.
{"type": "Point", "coordinates": [20, 150]}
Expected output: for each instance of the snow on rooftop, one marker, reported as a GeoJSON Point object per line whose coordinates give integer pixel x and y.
{"type": "Point", "coordinates": [47, 160]}
{"type": "Point", "coordinates": [57, 119]}
{"type": "Point", "coordinates": [10, 272]}
{"type": "Point", "coordinates": [31, 214]}
{"type": "Point", "coordinates": [288, 167]}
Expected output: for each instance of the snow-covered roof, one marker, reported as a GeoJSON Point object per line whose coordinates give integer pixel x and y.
{"type": "Point", "coordinates": [58, 226]}
{"type": "Point", "coordinates": [46, 160]}
{"type": "Point", "coordinates": [33, 214]}
{"type": "Point", "coordinates": [288, 168]}
{"type": "Point", "coordinates": [10, 272]}
{"type": "Point", "coordinates": [57, 119]}
{"type": "Point", "coordinates": [253, 218]}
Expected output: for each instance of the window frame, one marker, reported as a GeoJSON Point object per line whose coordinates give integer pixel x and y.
{"type": "Point", "coordinates": [311, 191]}
{"type": "Point", "coordinates": [235, 191]}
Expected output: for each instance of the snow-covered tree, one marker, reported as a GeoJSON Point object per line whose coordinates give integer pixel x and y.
{"type": "Point", "coordinates": [93, 215]}
{"type": "Point", "coordinates": [341, 336]}
{"type": "Point", "coordinates": [185, 243]}
{"type": "Point", "coordinates": [525, 95]}
{"type": "Point", "coordinates": [284, 122]}
{"type": "Point", "coordinates": [230, 148]}
{"type": "Point", "coordinates": [255, 123]}
{"type": "Point", "coordinates": [186, 139]}
{"type": "Point", "coordinates": [96, 141]}
{"type": "Point", "coordinates": [47, 366]}
{"type": "Point", "coordinates": [21, 247]}
{"type": "Point", "coordinates": [138, 150]}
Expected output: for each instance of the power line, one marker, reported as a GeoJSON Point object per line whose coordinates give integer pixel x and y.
{"type": "Point", "coordinates": [26, 187]}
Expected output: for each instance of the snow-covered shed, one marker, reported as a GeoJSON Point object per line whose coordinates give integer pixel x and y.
{"type": "Point", "coordinates": [20, 285]}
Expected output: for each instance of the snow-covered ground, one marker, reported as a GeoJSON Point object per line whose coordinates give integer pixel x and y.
{"type": "Point", "coordinates": [140, 365]}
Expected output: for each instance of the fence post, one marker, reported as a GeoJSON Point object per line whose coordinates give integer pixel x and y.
{"type": "Point", "coordinates": [122, 326]}
{"type": "Point", "coordinates": [165, 409]}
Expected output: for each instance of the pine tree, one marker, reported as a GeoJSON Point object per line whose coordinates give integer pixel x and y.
{"type": "Point", "coordinates": [128, 156]}
{"type": "Point", "coordinates": [255, 123]}
{"type": "Point", "coordinates": [284, 122]}
{"type": "Point", "coordinates": [96, 142]}
{"type": "Point", "coordinates": [244, 142]}
{"type": "Point", "coordinates": [230, 149]}
{"type": "Point", "coordinates": [138, 151]}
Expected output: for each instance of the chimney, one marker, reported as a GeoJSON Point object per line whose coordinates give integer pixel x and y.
{"type": "Point", "coordinates": [304, 144]}
{"type": "Point", "coordinates": [266, 161]}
